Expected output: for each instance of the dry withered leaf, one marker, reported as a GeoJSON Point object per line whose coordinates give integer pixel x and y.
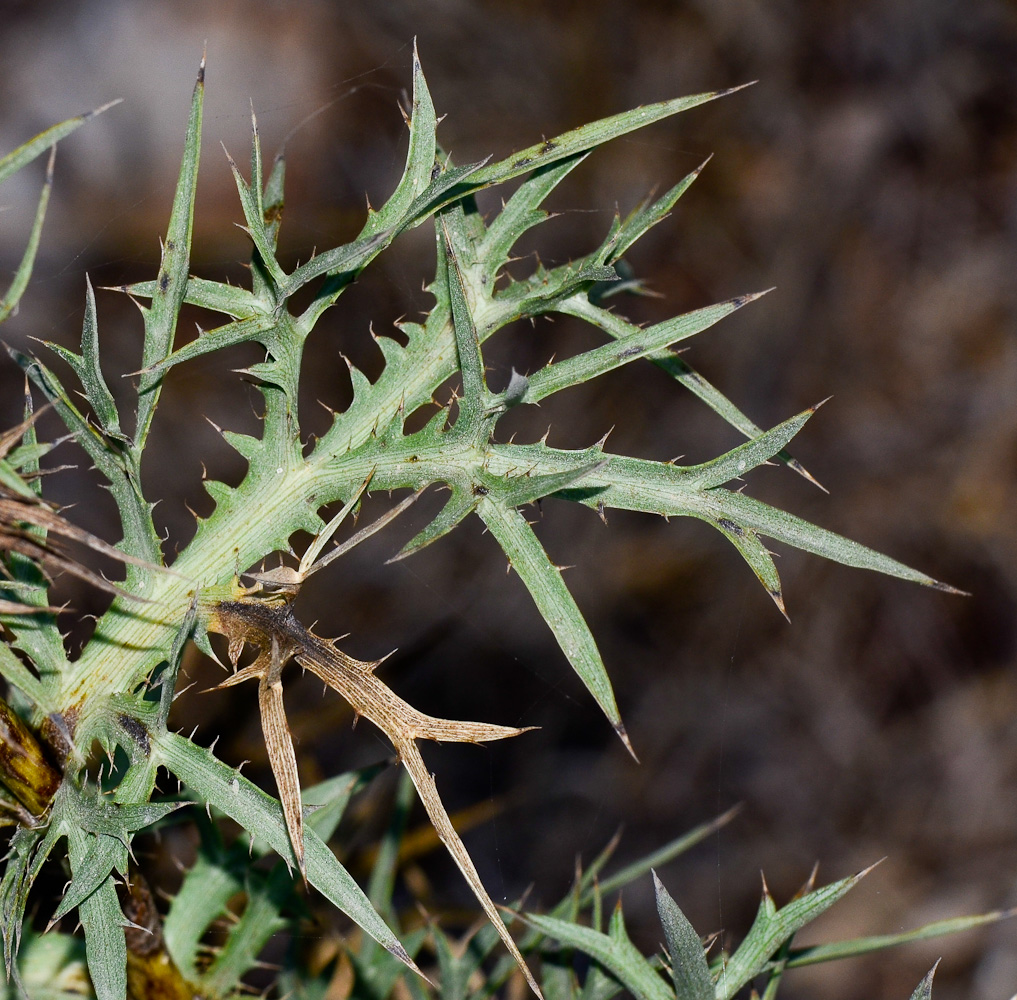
{"type": "Point", "coordinates": [272, 627]}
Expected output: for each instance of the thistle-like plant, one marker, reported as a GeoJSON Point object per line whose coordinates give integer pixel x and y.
{"type": "Point", "coordinates": [118, 691]}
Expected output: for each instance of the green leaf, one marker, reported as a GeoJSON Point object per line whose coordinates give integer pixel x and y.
{"type": "Point", "coordinates": [676, 491]}
{"type": "Point", "coordinates": [171, 285]}
{"type": "Point", "coordinates": [528, 487]}
{"type": "Point", "coordinates": [554, 602]}
{"type": "Point", "coordinates": [619, 328]}
{"type": "Point", "coordinates": [262, 816]}
{"type": "Point", "coordinates": [14, 889]}
{"type": "Point", "coordinates": [140, 539]}
{"type": "Point", "coordinates": [813, 954]}
{"type": "Point", "coordinates": [102, 855]}
{"type": "Point", "coordinates": [613, 950]}
{"type": "Point", "coordinates": [521, 212]}
{"type": "Point", "coordinates": [772, 927]}
{"type": "Point", "coordinates": [639, 343]}
{"type": "Point", "coordinates": [216, 877]}
{"type": "Point", "coordinates": [657, 858]}
{"type": "Point", "coordinates": [261, 918]}
{"type": "Point", "coordinates": [587, 137]}
{"type": "Point", "coordinates": [647, 215]}
{"type": "Point", "coordinates": [11, 298]}
{"type": "Point", "coordinates": [689, 968]}
{"type": "Point", "coordinates": [24, 154]}
{"type": "Point", "coordinates": [260, 328]}
{"type": "Point", "coordinates": [471, 365]}
{"type": "Point", "coordinates": [86, 367]}
{"type": "Point", "coordinates": [416, 176]}
{"type": "Point", "coordinates": [102, 920]}
{"type": "Point", "coordinates": [461, 503]}
{"type": "Point", "coordinates": [15, 672]}
{"type": "Point", "coordinates": [254, 213]}
{"type": "Point", "coordinates": [214, 295]}
{"type": "Point", "coordinates": [784, 527]}
{"type": "Point", "coordinates": [923, 991]}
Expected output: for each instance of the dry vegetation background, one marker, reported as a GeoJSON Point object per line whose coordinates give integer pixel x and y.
{"type": "Point", "coordinates": [870, 176]}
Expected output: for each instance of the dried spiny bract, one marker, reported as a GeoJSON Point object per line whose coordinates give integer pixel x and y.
{"type": "Point", "coordinates": [279, 637]}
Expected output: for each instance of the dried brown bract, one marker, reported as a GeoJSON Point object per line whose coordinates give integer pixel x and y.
{"type": "Point", "coordinates": [272, 627]}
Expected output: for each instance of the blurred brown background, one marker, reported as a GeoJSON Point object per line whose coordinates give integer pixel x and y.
{"type": "Point", "coordinates": [870, 176]}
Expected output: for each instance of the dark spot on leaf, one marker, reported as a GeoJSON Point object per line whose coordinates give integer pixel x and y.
{"type": "Point", "coordinates": [523, 161]}
{"type": "Point", "coordinates": [480, 491]}
{"type": "Point", "coordinates": [629, 352]}
{"type": "Point", "coordinates": [548, 147]}
{"type": "Point", "coordinates": [171, 246]}
{"type": "Point", "coordinates": [730, 526]}
{"type": "Point", "coordinates": [164, 281]}
{"type": "Point", "coordinates": [137, 732]}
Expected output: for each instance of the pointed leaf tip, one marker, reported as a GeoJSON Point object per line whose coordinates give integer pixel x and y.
{"type": "Point", "coordinates": [103, 107]}
{"type": "Point", "coordinates": [778, 599]}
{"type": "Point", "coordinates": [623, 735]}
{"type": "Point", "coordinates": [734, 90]}
{"type": "Point", "coordinates": [924, 989]}
{"type": "Point", "coordinates": [947, 589]}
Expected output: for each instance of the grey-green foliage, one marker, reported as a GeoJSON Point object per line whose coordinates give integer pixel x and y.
{"type": "Point", "coordinates": [122, 701]}
{"type": "Point", "coordinates": [683, 971]}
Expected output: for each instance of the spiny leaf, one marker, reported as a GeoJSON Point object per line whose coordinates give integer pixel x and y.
{"type": "Point", "coordinates": [813, 954]}
{"type": "Point", "coordinates": [588, 137]}
{"type": "Point", "coordinates": [689, 968]}
{"type": "Point", "coordinates": [254, 212]}
{"type": "Point", "coordinates": [772, 927]}
{"type": "Point", "coordinates": [14, 888]}
{"type": "Point", "coordinates": [102, 920]}
{"type": "Point", "coordinates": [675, 491]}
{"type": "Point", "coordinates": [471, 365]}
{"type": "Point", "coordinates": [259, 328]}
{"type": "Point", "coordinates": [258, 813]}
{"type": "Point", "coordinates": [556, 605]}
{"type": "Point", "coordinates": [522, 212]}
{"type": "Point", "coordinates": [460, 504]}
{"type": "Point", "coordinates": [214, 295]}
{"type": "Point", "coordinates": [86, 367]}
{"type": "Point", "coordinates": [24, 154]}
{"type": "Point", "coordinates": [422, 124]}
{"type": "Point", "coordinates": [10, 299]}
{"type": "Point", "coordinates": [102, 856]}
{"type": "Point", "coordinates": [647, 215]}
{"type": "Point", "coordinates": [784, 527]}
{"type": "Point", "coordinates": [171, 285]}
{"type": "Point", "coordinates": [923, 991]}
{"type": "Point", "coordinates": [216, 876]}
{"type": "Point", "coordinates": [637, 344]}
{"type": "Point", "coordinates": [614, 951]}
{"type": "Point", "coordinates": [758, 557]}
{"type": "Point", "coordinates": [618, 327]}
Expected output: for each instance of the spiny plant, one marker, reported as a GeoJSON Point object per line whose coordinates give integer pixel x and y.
{"type": "Point", "coordinates": [117, 692]}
